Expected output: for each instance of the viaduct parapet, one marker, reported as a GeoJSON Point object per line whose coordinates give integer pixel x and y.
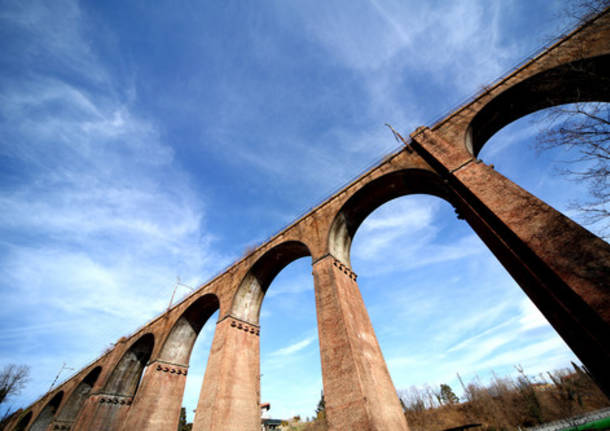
{"type": "Point", "coordinates": [561, 266]}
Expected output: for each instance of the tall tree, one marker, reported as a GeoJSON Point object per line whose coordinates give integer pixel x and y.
{"type": "Point", "coordinates": [182, 424]}
{"type": "Point", "coordinates": [447, 396]}
{"type": "Point", "coordinates": [321, 409]}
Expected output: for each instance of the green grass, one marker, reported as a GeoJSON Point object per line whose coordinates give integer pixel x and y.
{"type": "Point", "coordinates": [602, 424]}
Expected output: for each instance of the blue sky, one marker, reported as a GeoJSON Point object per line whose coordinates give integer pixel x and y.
{"type": "Point", "coordinates": [142, 143]}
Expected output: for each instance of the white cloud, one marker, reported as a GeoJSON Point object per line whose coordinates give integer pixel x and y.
{"type": "Point", "coordinates": [404, 214]}
{"type": "Point", "coordinates": [531, 317]}
{"type": "Point", "coordinates": [478, 321]}
{"type": "Point", "coordinates": [295, 287]}
{"type": "Point", "coordinates": [295, 347]}
{"type": "Point", "coordinates": [57, 33]}
{"type": "Point", "coordinates": [552, 349]}
{"type": "Point", "coordinates": [406, 234]}
{"type": "Point", "coordinates": [101, 217]}
{"type": "Point", "coordinates": [402, 361]}
{"type": "Point", "coordinates": [405, 220]}
{"type": "Point", "coordinates": [16, 333]}
{"type": "Point", "coordinates": [508, 137]}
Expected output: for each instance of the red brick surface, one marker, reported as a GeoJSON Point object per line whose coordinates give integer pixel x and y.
{"type": "Point", "coordinates": [157, 403]}
{"type": "Point", "coordinates": [358, 389]}
{"type": "Point", "coordinates": [230, 395]}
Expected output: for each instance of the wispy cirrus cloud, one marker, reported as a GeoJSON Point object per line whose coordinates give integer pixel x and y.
{"type": "Point", "coordinates": [518, 335]}
{"type": "Point", "coordinates": [406, 234]}
{"type": "Point", "coordinates": [295, 347]}
{"type": "Point", "coordinates": [97, 216]}
{"type": "Point", "coordinates": [478, 320]}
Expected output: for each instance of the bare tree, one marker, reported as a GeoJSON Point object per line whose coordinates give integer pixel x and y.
{"type": "Point", "coordinates": [584, 130]}
{"type": "Point", "coordinates": [583, 10]}
{"type": "Point", "coordinates": [12, 380]}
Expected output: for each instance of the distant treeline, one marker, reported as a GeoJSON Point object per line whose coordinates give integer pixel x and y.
{"type": "Point", "coordinates": [505, 404]}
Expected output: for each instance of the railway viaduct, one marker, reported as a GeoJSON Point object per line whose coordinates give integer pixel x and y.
{"type": "Point", "coordinates": [562, 267]}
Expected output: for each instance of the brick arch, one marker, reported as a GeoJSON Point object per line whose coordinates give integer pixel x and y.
{"type": "Point", "coordinates": [585, 80]}
{"type": "Point", "coordinates": [158, 401]}
{"type": "Point", "coordinates": [373, 195]}
{"type": "Point", "coordinates": [107, 407]}
{"type": "Point", "coordinates": [178, 344]}
{"type": "Point", "coordinates": [23, 422]}
{"type": "Point", "coordinates": [126, 374]}
{"type": "Point", "coordinates": [77, 398]}
{"type": "Point", "coordinates": [46, 415]}
{"type": "Point", "coordinates": [249, 296]}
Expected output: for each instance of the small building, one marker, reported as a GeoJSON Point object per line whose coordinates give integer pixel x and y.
{"type": "Point", "coordinates": [270, 424]}
{"type": "Point", "coordinates": [463, 427]}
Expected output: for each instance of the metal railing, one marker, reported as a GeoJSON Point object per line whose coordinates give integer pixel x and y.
{"type": "Point", "coordinates": [573, 421]}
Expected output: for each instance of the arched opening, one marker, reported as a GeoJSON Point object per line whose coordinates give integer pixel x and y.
{"type": "Point", "coordinates": [441, 303]}
{"type": "Point", "coordinates": [290, 366]}
{"type": "Point", "coordinates": [573, 311]}
{"type": "Point", "coordinates": [585, 80]}
{"type": "Point", "coordinates": [438, 299]}
{"type": "Point", "coordinates": [48, 412]}
{"type": "Point", "coordinates": [249, 296]}
{"type": "Point", "coordinates": [126, 376]}
{"type": "Point", "coordinates": [373, 195]}
{"type": "Point", "coordinates": [23, 422]}
{"type": "Point", "coordinates": [197, 366]}
{"type": "Point", "coordinates": [523, 151]}
{"type": "Point", "coordinates": [70, 410]}
{"type": "Point", "coordinates": [189, 343]}
{"type": "Point", "coordinates": [179, 343]}
{"type": "Point", "coordinates": [291, 375]}
{"type": "Point", "coordinates": [160, 397]}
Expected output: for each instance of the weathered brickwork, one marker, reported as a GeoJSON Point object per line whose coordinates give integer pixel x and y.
{"type": "Point", "coordinates": [563, 268]}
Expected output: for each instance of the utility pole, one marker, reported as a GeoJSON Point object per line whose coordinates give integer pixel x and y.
{"type": "Point", "coordinates": [63, 367]}
{"type": "Point", "coordinates": [178, 283]}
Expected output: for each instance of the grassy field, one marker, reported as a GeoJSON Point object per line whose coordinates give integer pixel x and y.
{"type": "Point", "coordinates": [602, 424]}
